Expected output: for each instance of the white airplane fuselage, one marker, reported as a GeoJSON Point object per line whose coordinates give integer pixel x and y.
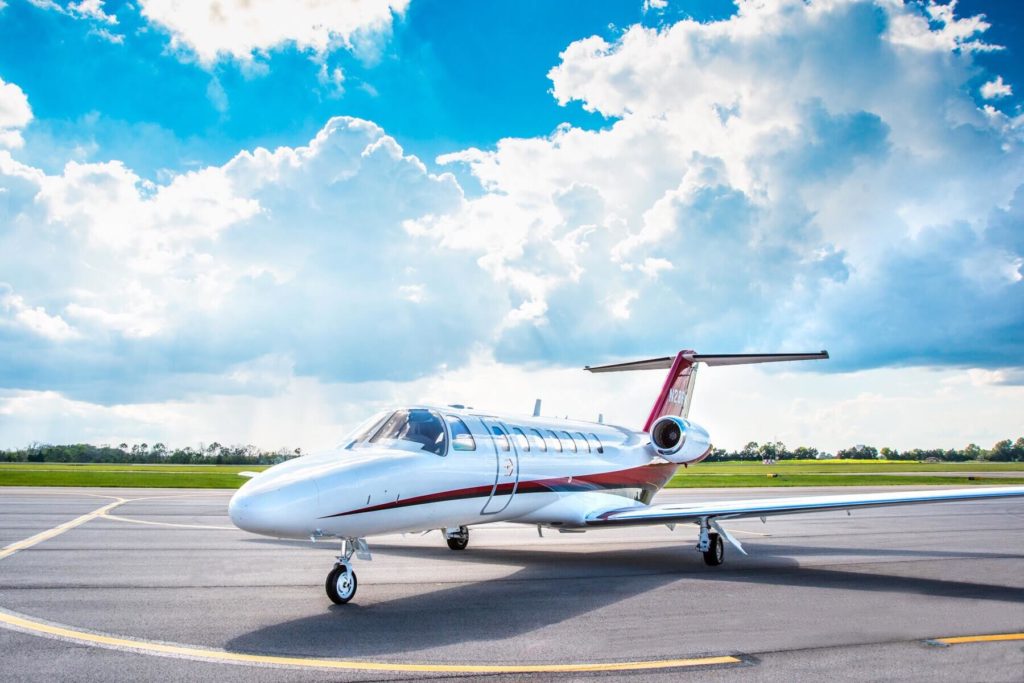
{"type": "Point", "coordinates": [521, 469]}
{"type": "Point", "coordinates": [423, 468]}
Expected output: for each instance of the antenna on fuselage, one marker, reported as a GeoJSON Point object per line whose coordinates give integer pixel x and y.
{"type": "Point", "coordinates": [600, 418]}
{"type": "Point", "coordinates": [536, 408]}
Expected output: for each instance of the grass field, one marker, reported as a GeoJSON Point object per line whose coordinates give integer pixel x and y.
{"type": "Point", "coordinates": [845, 473]}
{"type": "Point", "coordinates": [140, 476]}
{"type": "Point", "coordinates": [704, 475]}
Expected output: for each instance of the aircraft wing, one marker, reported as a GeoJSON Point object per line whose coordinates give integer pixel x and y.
{"type": "Point", "coordinates": [676, 513]}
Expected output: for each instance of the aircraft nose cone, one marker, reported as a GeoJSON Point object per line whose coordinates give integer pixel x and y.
{"type": "Point", "coordinates": [271, 509]}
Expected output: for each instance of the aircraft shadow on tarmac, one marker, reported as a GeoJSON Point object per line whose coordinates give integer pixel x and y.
{"type": "Point", "coordinates": [554, 586]}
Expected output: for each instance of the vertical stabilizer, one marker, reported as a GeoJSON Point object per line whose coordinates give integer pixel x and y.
{"type": "Point", "coordinates": [677, 392]}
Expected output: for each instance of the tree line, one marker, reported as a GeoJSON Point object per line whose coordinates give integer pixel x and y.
{"type": "Point", "coordinates": [1003, 451]}
{"type": "Point", "coordinates": [143, 453]}
{"type": "Point", "coordinates": [217, 454]}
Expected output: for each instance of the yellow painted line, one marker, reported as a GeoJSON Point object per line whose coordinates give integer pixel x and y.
{"type": "Point", "coordinates": [170, 524]}
{"type": "Point", "coordinates": [998, 637]}
{"type": "Point", "coordinates": [748, 533]}
{"type": "Point", "coordinates": [57, 530]}
{"type": "Point", "coordinates": [26, 624]}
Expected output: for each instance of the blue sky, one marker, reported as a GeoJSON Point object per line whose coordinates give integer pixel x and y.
{"type": "Point", "coordinates": [451, 75]}
{"type": "Point", "coordinates": [198, 216]}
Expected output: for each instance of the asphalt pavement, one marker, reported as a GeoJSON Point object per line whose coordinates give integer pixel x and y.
{"type": "Point", "coordinates": [161, 586]}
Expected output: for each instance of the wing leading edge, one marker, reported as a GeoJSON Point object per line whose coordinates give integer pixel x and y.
{"type": "Point", "coordinates": [678, 513]}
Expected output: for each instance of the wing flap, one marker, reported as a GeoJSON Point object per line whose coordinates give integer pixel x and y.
{"type": "Point", "coordinates": [674, 513]}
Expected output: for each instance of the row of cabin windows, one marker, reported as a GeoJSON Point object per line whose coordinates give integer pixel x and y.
{"type": "Point", "coordinates": [530, 439]}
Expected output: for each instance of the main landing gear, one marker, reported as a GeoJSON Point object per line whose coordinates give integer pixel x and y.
{"type": "Point", "coordinates": [457, 538]}
{"type": "Point", "coordinates": [341, 582]}
{"type": "Point", "coordinates": [710, 545]}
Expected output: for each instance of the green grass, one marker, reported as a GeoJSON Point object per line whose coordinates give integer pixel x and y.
{"type": "Point", "coordinates": [843, 473]}
{"type": "Point", "coordinates": [130, 476]}
{"type": "Point", "coordinates": [687, 479]}
{"type": "Point", "coordinates": [841, 466]}
{"type": "Point", "coordinates": [704, 475]}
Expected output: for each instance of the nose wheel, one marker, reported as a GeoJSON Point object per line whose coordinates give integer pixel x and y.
{"type": "Point", "coordinates": [341, 584]}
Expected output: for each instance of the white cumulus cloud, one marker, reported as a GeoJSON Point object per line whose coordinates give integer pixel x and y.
{"type": "Point", "coordinates": [213, 29]}
{"type": "Point", "coordinates": [15, 114]}
{"type": "Point", "coordinates": [995, 89]}
{"type": "Point", "coordinates": [801, 175]}
{"type": "Point", "coordinates": [810, 170]}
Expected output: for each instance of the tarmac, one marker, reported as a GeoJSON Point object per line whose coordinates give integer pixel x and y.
{"type": "Point", "coordinates": [155, 584]}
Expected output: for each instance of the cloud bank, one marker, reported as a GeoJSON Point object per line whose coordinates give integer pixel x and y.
{"type": "Point", "coordinates": [798, 176]}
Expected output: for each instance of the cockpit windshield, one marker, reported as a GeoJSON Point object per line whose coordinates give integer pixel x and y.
{"type": "Point", "coordinates": [365, 430]}
{"type": "Point", "coordinates": [416, 426]}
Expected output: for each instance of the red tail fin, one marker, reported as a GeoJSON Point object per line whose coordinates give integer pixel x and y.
{"type": "Point", "coordinates": [674, 398]}
{"type": "Point", "coordinates": [675, 395]}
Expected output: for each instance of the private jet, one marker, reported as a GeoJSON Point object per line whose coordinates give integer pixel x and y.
{"type": "Point", "coordinates": [421, 468]}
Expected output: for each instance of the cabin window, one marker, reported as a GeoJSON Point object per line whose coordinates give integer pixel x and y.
{"type": "Point", "coordinates": [567, 443]}
{"type": "Point", "coordinates": [555, 443]}
{"type": "Point", "coordinates": [415, 427]}
{"type": "Point", "coordinates": [462, 440]}
{"type": "Point", "coordinates": [538, 440]}
{"type": "Point", "coordinates": [600, 446]}
{"type": "Point", "coordinates": [500, 438]}
{"type": "Point", "coordinates": [521, 440]}
{"type": "Point", "coordinates": [582, 440]}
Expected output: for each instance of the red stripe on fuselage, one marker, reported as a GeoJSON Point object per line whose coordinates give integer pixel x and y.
{"type": "Point", "coordinates": [645, 477]}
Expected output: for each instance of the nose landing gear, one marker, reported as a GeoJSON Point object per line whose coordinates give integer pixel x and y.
{"type": "Point", "coordinates": [458, 538]}
{"type": "Point", "coordinates": [341, 583]}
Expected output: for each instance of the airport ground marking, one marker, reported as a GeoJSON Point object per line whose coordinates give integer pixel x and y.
{"type": "Point", "coordinates": [28, 625]}
{"type": "Point", "coordinates": [168, 524]}
{"type": "Point", "coordinates": [960, 640]}
{"type": "Point", "coordinates": [17, 546]}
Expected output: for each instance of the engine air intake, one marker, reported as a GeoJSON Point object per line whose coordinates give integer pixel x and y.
{"type": "Point", "coordinates": [668, 434]}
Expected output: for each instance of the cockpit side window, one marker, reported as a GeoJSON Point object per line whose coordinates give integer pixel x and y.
{"type": "Point", "coordinates": [462, 440]}
{"type": "Point", "coordinates": [521, 440]}
{"type": "Point", "coordinates": [555, 443]}
{"type": "Point", "coordinates": [500, 438]}
{"type": "Point", "coordinates": [600, 446]}
{"type": "Point", "coordinates": [538, 440]}
{"type": "Point", "coordinates": [418, 426]}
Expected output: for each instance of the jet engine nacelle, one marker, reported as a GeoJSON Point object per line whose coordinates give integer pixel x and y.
{"type": "Point", "coordinates": [678, 440]}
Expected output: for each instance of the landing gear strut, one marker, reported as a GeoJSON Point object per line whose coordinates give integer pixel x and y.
{"type": "Point", "coordinates": [341, 582]}
{"type": "Point", "coordinates": [710, 545]}
{"type": "Point", "coordinates": [458, 538]}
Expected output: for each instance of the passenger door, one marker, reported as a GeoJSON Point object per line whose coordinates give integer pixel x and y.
{"type": "Point", "coordinates": [506, 471]}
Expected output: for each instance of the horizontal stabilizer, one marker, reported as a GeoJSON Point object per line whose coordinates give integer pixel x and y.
{"type": "Point", "coordinates": [708, 359]}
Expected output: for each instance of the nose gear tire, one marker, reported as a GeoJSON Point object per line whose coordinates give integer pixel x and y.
{"type": "Point", "coordinates": [341, 584]}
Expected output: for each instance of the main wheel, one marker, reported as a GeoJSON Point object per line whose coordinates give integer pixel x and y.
{"type": "Point", "coordinates": [715, 554]}
{"type": "Point", "coordinates": [460, 540]}
{"type": "Point", "coordinates": [341, 584]}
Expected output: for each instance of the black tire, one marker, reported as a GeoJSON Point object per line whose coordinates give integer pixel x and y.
{"type": "Point", "coordinates": [459, 542]}
{"type": "Point", "coordinates": [715, 554]}
{"type": "Point", "coordinates": [339, 595]}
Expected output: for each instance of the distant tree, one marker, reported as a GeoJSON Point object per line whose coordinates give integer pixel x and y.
{"type": "Point", "coordinates": [805, 453]}
{"type": "Point", "coordinates": [859, 451]}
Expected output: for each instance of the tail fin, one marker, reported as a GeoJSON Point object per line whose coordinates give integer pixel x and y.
{"type": "Point", "coordinates": [677, 391]}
